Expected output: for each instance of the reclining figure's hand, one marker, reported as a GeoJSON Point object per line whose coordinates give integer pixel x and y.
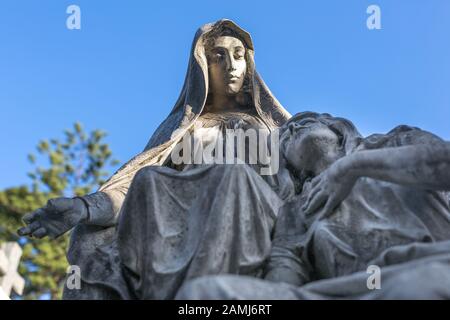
{"type": "Point", "coordinates": [56, 218]}
{"type": "Point", "coordinates": [330, 188]}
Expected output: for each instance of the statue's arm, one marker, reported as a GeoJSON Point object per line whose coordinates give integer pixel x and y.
{"type": "Point", "coordinates": [405, 156]}
{"type": "Point", "coordinates": [103, 207]}
{"type": "Point", "coordinates": [425, 166]}
{"type": "Point", "coordinates": [62, 214]}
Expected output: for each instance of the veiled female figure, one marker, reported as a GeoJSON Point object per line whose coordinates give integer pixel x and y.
{"type": "Point", "coordinates": [155, 223]}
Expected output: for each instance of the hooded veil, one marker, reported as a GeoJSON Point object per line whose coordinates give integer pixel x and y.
{"type": "Point", "coordinates": [189, 107]}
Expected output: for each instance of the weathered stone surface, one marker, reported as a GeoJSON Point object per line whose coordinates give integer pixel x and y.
{"type": "Point", "coordinates": [339, 205]}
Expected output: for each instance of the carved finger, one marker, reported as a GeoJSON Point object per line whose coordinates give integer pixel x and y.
{"type": "Point", "coordinates": [311, 196]}
{"type": "Point", "coordinates": [40, 233]}
{"type": "Point", "coordinates": [318, 200]}
{"type": "Point", "coordinates": [29, 229]}
{"type": "Point", "coordinates": [315, 181]}
{"type": "Point", "coordinates": [30, 217]}
{"type": "Point", "coordinates": [23, 231]}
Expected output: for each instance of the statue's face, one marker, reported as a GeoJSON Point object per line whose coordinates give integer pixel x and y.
{"type": "Point", "coordinates": [309, 142]}
{"type": "Point", "coordinates": [227, 66]}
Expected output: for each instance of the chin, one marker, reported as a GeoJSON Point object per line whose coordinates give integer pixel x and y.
{"type": "Point", "coordinates": [232, 91]}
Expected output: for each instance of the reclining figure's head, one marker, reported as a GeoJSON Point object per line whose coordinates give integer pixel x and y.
{"type": "Point", "coordinates": [310, 142]}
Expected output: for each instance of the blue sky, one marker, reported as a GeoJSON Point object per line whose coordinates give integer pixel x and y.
{"type": "Point", "coordinates": [122, 72]}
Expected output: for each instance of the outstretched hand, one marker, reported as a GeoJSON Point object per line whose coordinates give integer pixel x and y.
{"type": "Point", "coordinates": [328, 190]}
{"type": "Point", "coordinates": [56, 218]}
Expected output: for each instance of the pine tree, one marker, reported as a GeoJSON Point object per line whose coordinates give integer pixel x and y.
{"type": "Point", "coordinates": [72, 167]}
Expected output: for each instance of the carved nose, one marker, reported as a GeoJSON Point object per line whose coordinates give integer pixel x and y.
{"type": "Point", "coordinates": [293, 127]}
{"type": "Point", "coordinates": [231, 67]}
{"type": "Point", "coordinates": [231, 64]}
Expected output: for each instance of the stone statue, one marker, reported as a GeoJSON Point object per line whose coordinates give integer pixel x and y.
{"type": "Point", "coordinates": [336, 205]}
{"type": "Point", "coordinates": [366, 204]}
{"type": "Point", "coordinates": [156, 224]}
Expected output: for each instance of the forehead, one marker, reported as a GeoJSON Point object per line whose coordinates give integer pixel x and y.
{"type": "Point", "coordinates": [304, 121]}
{"type": "Point", "coordinates": [228, 42]}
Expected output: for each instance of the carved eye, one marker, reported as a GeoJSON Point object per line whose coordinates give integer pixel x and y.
{"type": "Point", "coordinates": [218, 55]}
{"type": "Point", "coordinates": [239, 54]}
